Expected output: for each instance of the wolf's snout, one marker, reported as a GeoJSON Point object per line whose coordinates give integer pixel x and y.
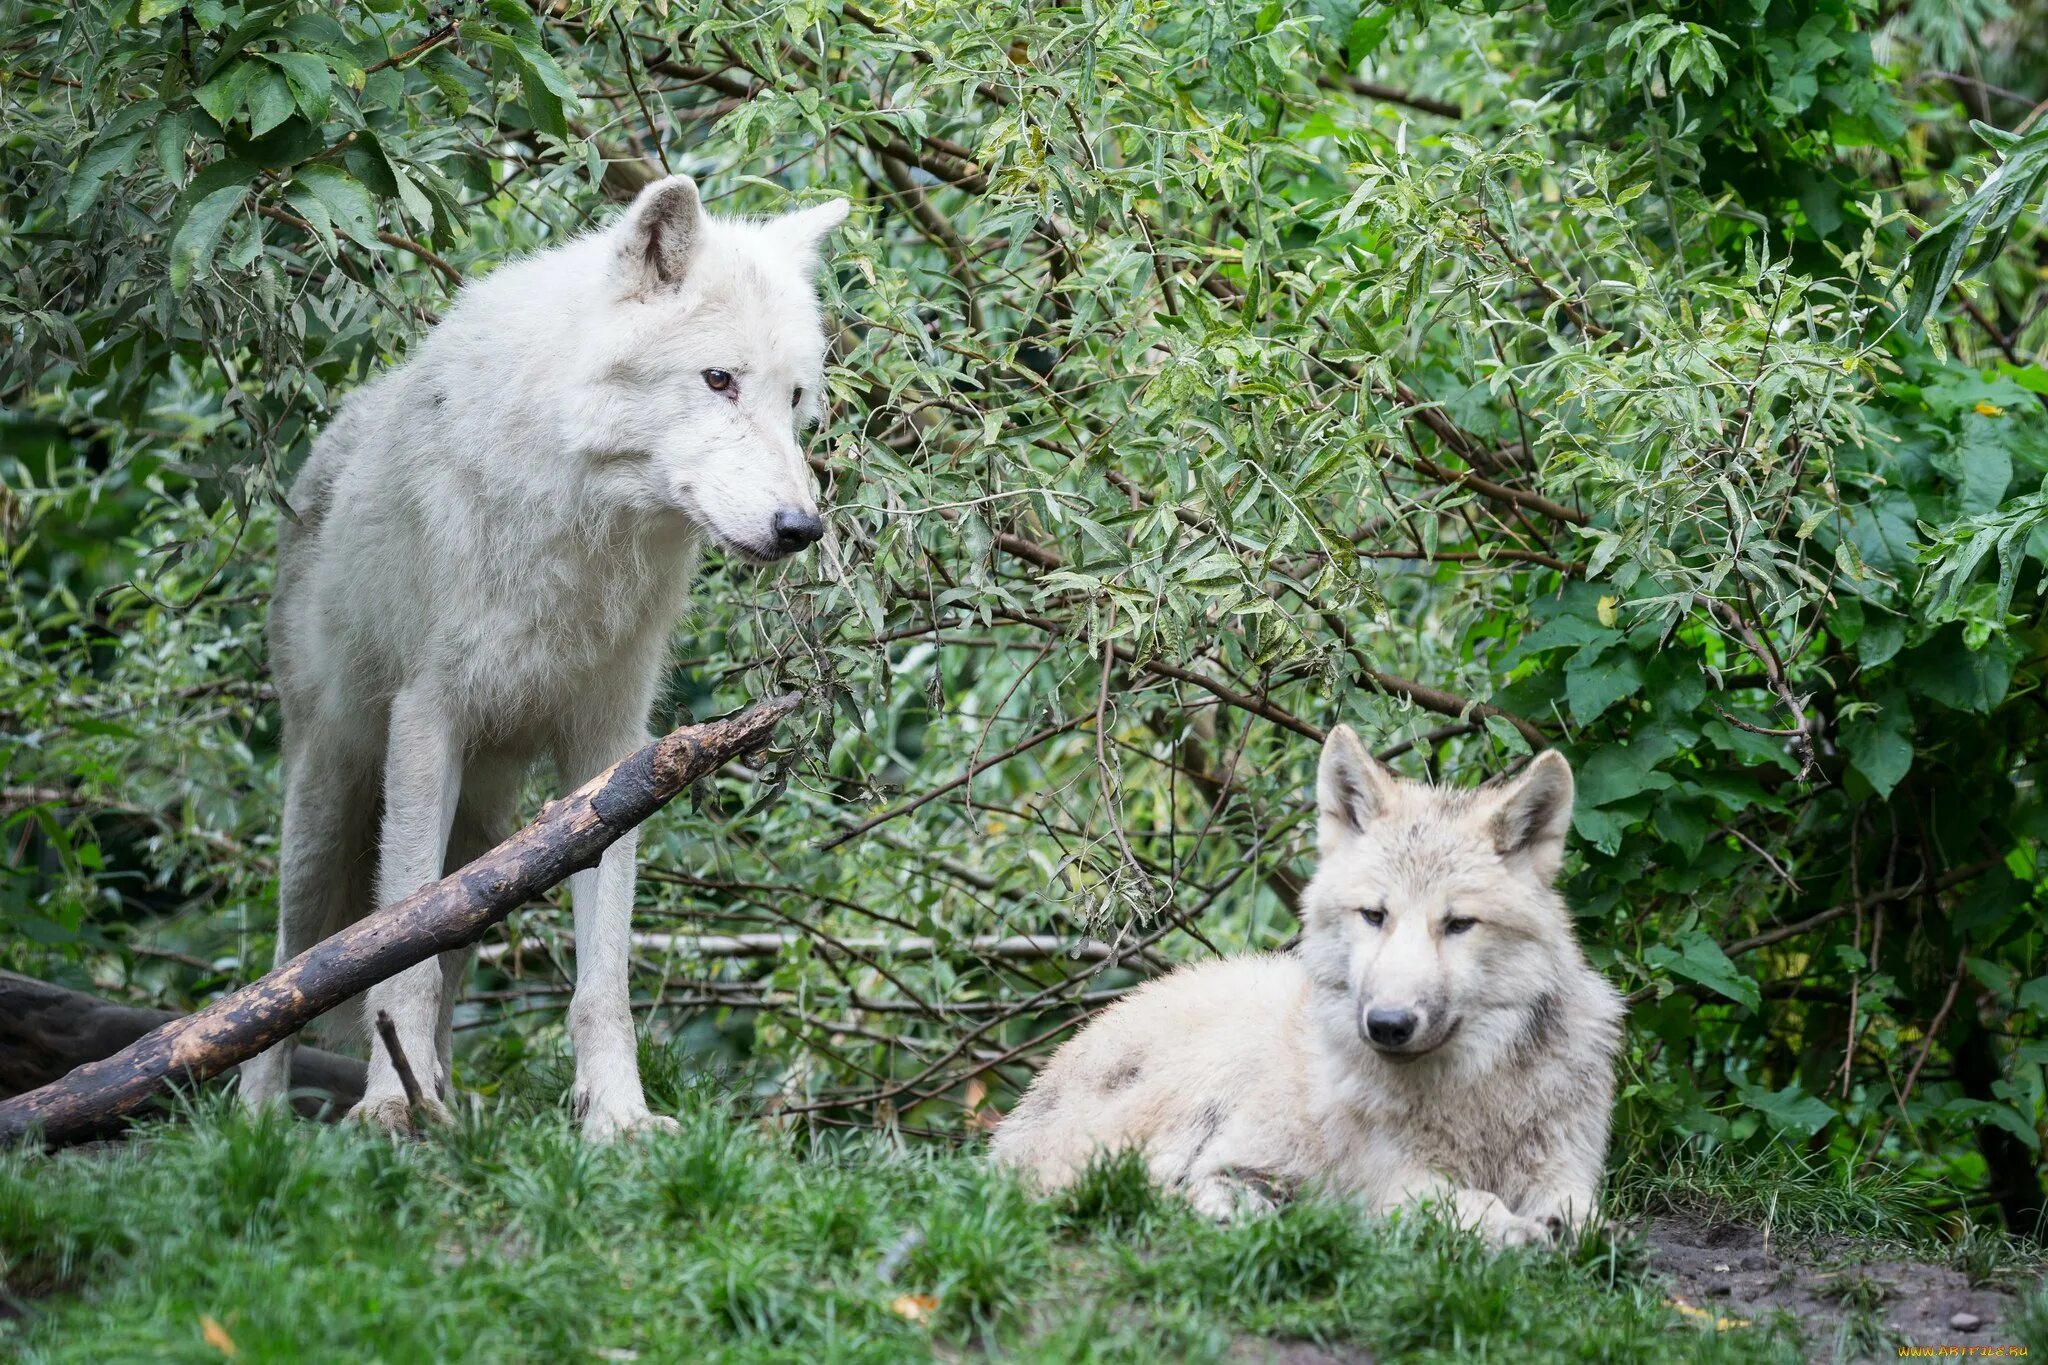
{"type": "Point", "coordinates": [795, 530]}
{"type": "Point", "coordinates": [1389, 1027]}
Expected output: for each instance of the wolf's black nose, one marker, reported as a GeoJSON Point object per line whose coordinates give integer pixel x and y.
{"type": "Point", "coordinates": [1389, 1028]}
{"type": "Point", "coordinates": [796, 530]}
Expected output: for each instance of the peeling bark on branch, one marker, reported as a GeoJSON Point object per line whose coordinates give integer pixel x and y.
{"type": "Point", "coordinates": [568, 835]}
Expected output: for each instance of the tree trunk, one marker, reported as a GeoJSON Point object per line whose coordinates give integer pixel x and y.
{"type": "Point", "coordinates": [2014, 1172]}
{"type": "Point", "coordinates": [569, 834]}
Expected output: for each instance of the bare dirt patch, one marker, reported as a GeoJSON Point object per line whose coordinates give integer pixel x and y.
{"type": "Point", "coordinates": [1833, 1293]}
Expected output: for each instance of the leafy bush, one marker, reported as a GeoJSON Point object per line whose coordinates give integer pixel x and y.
{"type": "Point", "coordinates": [1489, 377]}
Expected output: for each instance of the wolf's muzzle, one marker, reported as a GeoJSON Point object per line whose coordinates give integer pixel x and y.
{"type": "Point", "coordinates": [1389, 1028]}
{"type": "Point", "coordinates": [795, 530]}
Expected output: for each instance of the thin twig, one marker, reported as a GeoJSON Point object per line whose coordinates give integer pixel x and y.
{"type": "Point", "coordinates": [388, 1031]}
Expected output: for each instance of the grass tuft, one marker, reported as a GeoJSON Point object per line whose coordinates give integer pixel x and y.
{"type": "Point", "coordinates": [1114, 1195]}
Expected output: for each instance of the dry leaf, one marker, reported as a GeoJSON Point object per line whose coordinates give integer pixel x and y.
{"type": "Point", "coordinates": [981, 1114]}
{"type": "Point", "coordinates": [1702, 1316]}
{"type": "Point", "coordinates": [914, 1307]}
{"type": "Point", "coordinates": [217, 1336]}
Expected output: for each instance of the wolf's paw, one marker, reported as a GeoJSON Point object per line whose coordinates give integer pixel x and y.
{"type": "Point", "coordinates": [391, 1113]}
{"type": "Point", "coordinates": [603, 1124]}
{"type": "Point", "coordinates": [1228, 1200]}
{"type": "Point", "coordinates": [1565, 1221]}
{"type": "Point", "coordinates": [1510, 1230]}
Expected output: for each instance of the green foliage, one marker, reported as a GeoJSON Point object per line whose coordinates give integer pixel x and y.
{"type": "Point", "coordinates": [1188, 397]}
{"type": "Point", "coordinates": [1993, 209]}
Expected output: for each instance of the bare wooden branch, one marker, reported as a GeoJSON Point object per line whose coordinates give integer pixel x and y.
{"type": "Point", "coordinates": [1372, 90]}
{"type": "Point", "coordinates": [46, 1030]}
{"type": "Point", "coordinates": [568, 835]}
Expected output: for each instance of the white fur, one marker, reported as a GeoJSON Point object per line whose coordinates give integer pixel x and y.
{"type": "Point", "coordinates": [493, 543]}
{"type": "Point", "coordinates": [1250, 1075]}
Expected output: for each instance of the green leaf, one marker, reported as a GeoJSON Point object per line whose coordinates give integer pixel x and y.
{"type": "Point", "coordinates": [1880, 748]}
{"type": "Point", "coordinates": [1882, 638]}
{"type": "Point", "coordinates": [310, 81]}
{"type": "Point", "coordinates": [315, 213]}
{"type": "Point", "coordinates": [1789, 1110]}
{"type": "Point", "coordinates": [1368, 31]}
{"type": "Point", "coordinates": [1979, 464]}
{"type": "Point", "coordinates": [90, 178]}
{"type": "Point", "coordinates": [1605, 827]}
{"type": "Point", "coordinates": [1506, 735]}
{"type": "Point", "coordinates": [173, 134]}
{"type": "Point", "coordinates": [223, 96]}
{"type": "Point", "coordinates": [1592, 688]}
{"type": "Point", "coordinates": [1961, 678]}
{"type": "Point", "coordinates": [1700, 959]}
{"type": "Point", "coordinates": [352, 208]}
{"type": "Point", "coordinates": [203, 211]}
{"type": "Point", "coordinates": [270, 101]}
{"type": "Point", "coordinates": [1616, 772]}
{"type": "Point", "coordinates": [1990, 1111]}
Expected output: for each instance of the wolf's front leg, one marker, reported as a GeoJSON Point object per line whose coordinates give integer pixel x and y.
{"type": "Point", "coordinates": [608, 1097]}
{"type": "Point", "coordinates": [1474, 1210]}
{"type": "Point", "coordinates": [1564, 1192]}
{"type": "Point", "coordinates": [422, 780]}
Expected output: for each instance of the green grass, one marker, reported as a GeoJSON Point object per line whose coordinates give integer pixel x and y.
{"type": "Point", "coordinates": [507, 1239]}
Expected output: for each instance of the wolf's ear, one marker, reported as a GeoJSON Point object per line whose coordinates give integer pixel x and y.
{"type": "Point", "coordinates": [1352, 788]}
{"type": "Point", "coordinates": [1532, 813]}
{"type": "Point", "coordinates": [800, 232]}
{"type": "Point", "coordinates": [659, 235]}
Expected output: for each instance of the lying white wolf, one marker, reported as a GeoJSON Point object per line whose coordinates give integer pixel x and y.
{"type": "Point", "coordinates": [1439, 1038]}
{"type": "Point", "coordinates": [493, 542]}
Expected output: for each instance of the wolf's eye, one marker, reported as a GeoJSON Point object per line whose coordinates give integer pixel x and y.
{"type": "Point", "coordinates": [796, 397]}
{"type": "Point", "coordinates": [1375, 917]}
{"type": "Point", "coordinates": [718, 381]}
{"type": "Point", "coordinates": [1459, 924]}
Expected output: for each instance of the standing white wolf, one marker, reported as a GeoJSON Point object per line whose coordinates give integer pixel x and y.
{"type": "Point", "coordinates": [1438, 1038]}
{"type": "Point", "coordinates": [493, 543]}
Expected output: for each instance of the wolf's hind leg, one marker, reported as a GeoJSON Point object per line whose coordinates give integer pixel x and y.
{"type": "Point", "coordinates": [422, 780]}
{"type": "Point", "coordinates": [328, 802]}
{"type": "Point", "coordinates": [1206, 1160]}
{"type": "Point", "coordinates": [482, 819]}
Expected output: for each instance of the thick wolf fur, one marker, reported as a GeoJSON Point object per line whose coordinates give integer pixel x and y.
{"type": "Point", "coordinates": [492, 544]}
{"type": "Point", "coordinates": [1459, 1051]}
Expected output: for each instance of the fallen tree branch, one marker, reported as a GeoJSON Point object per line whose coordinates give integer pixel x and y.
{"type": "Point", "coordinates": [568, 835]}
{"type": "Point", "coordinates": [46, 1030]}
